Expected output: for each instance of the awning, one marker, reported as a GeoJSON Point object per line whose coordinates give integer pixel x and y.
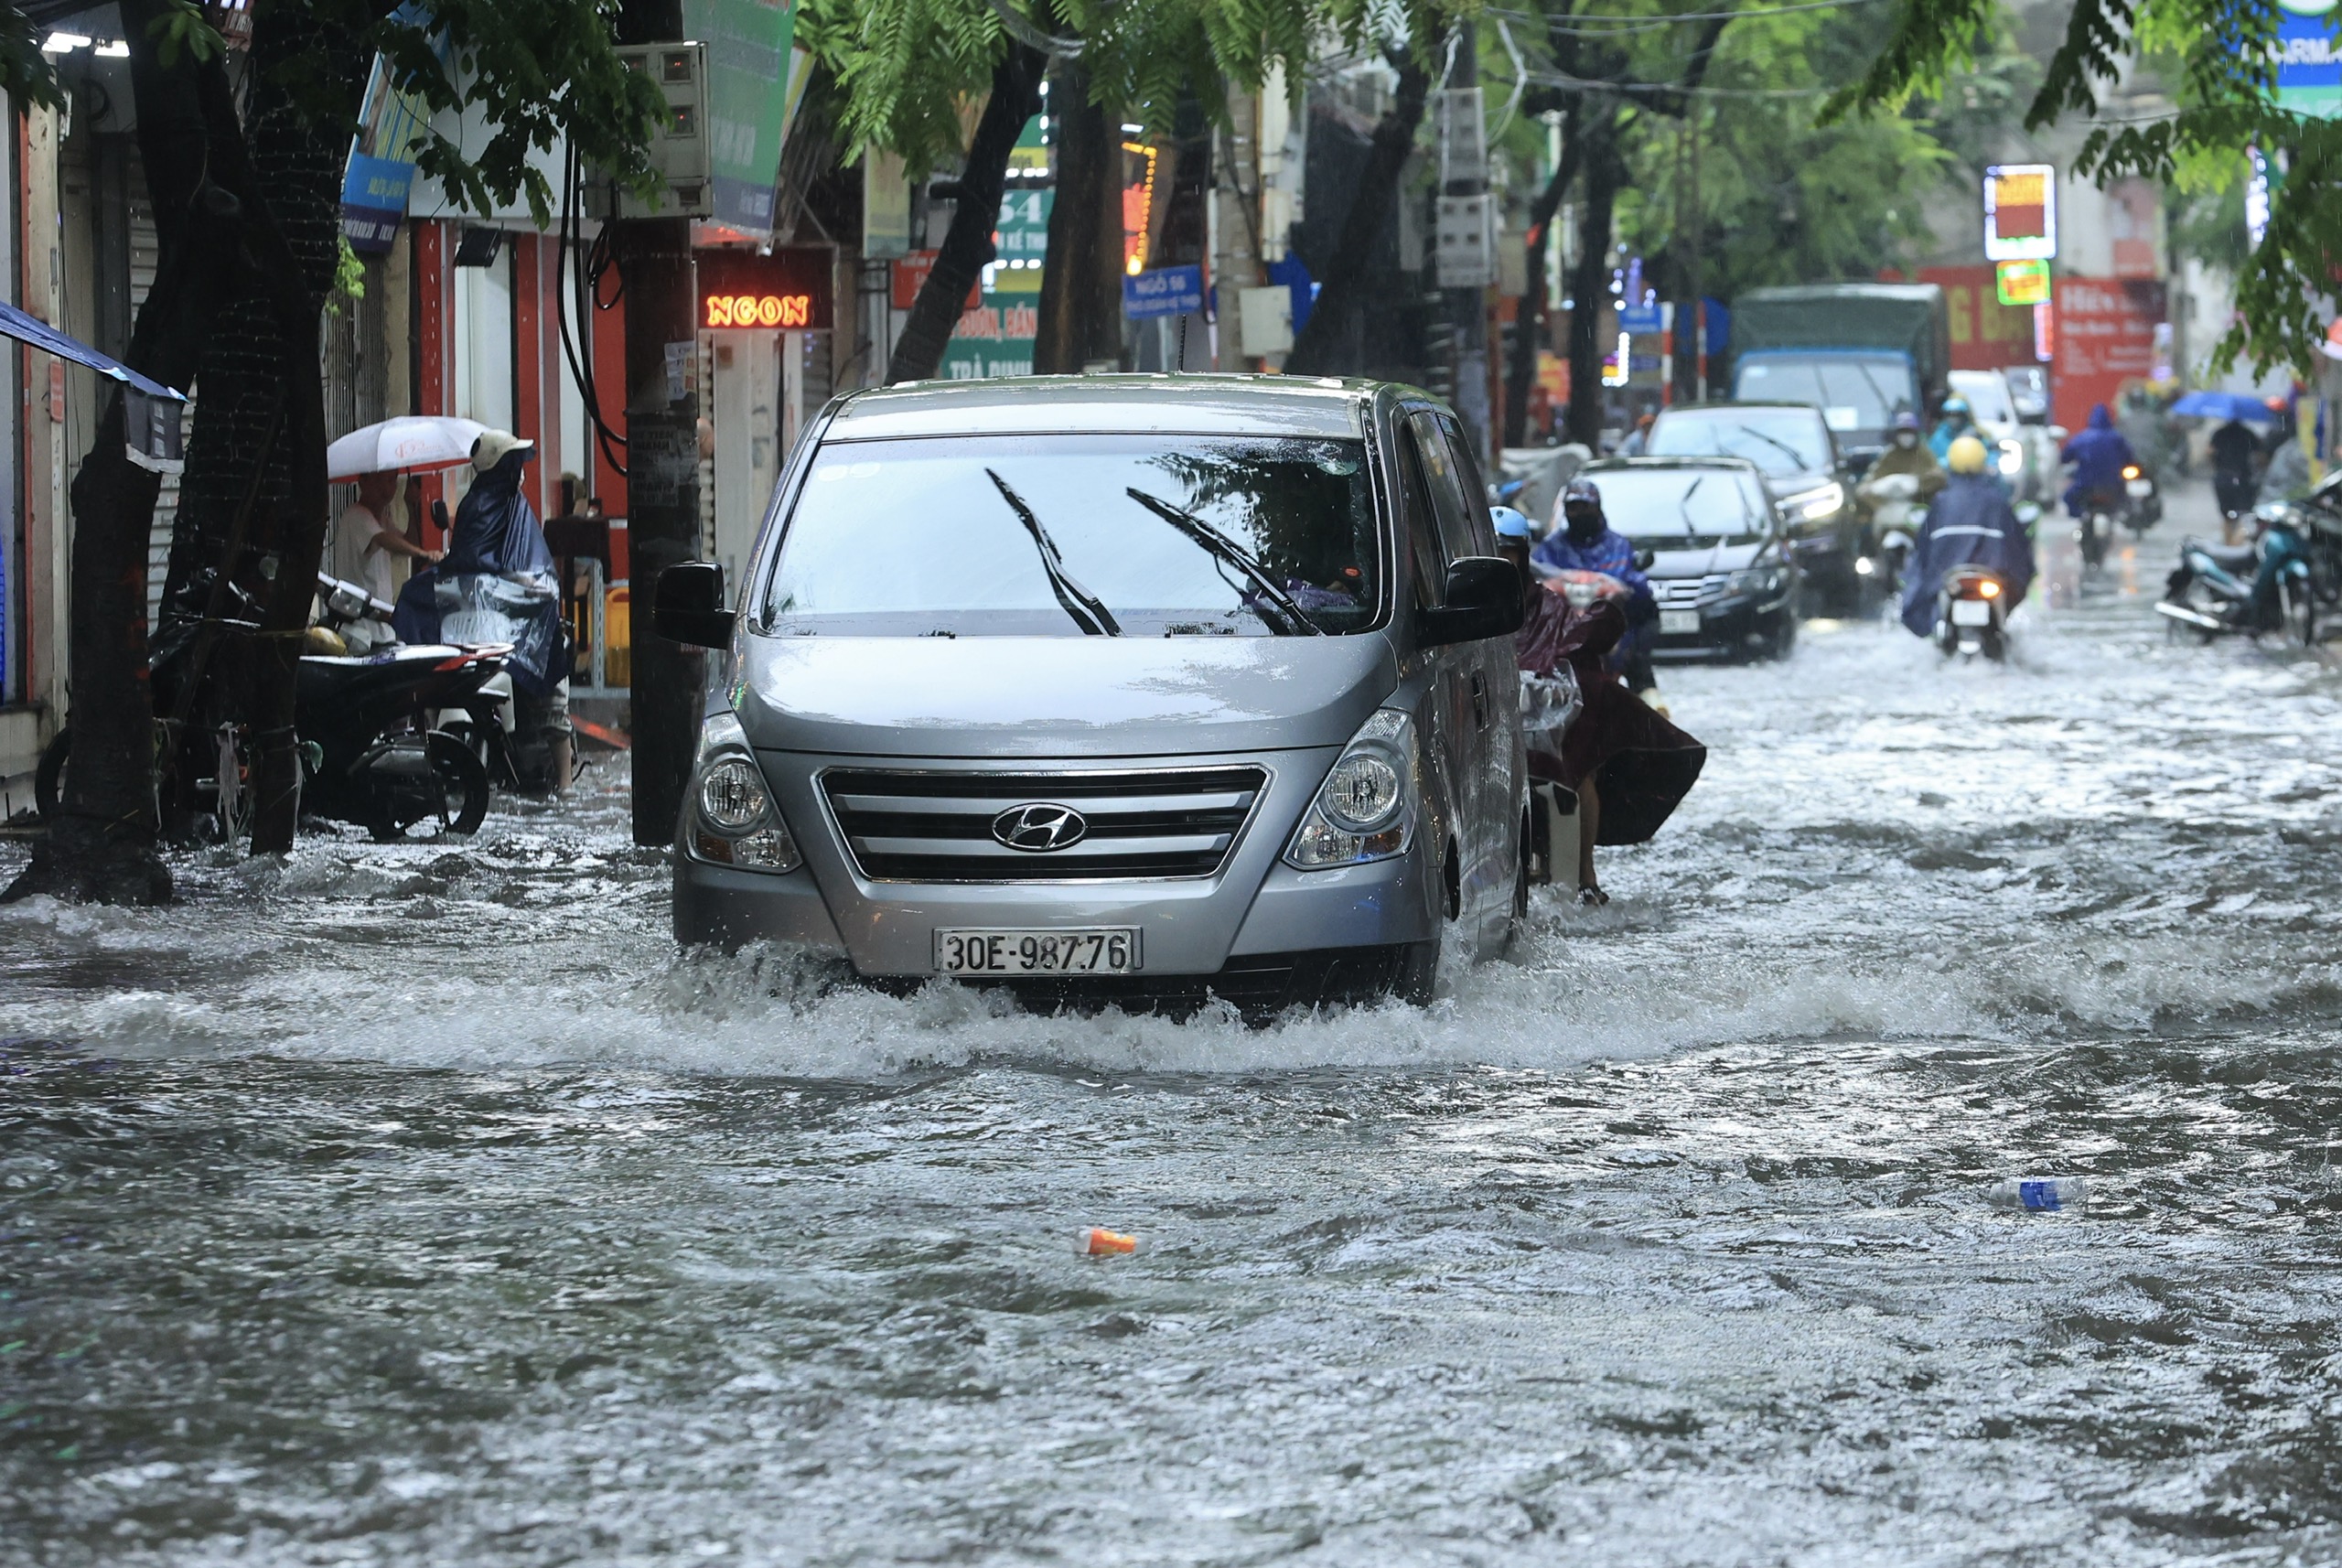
{"type": "Point", "coordinates": [153, 430]}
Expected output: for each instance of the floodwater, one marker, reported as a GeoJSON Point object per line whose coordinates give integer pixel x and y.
{"type": "Point", "coordinates": [422, 1206]}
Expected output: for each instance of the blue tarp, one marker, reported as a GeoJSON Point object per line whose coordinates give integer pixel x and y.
{"type": "Point", "coordinates": [25, 328]}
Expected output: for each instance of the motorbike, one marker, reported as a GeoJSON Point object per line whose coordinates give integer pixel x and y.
{"type": "Point", "coordinates": [2095, 526]}
{"type": "Point", "coordinates": [1898, 513]}
{"type": "Point", "coordinates": [364, 758]}
{"type": "Point", "coordinates": [1972, 614]}
{"type": "Point", "coordinates": [2211, 593]}
{"type": "Point", "coordinates": [2142, 500]}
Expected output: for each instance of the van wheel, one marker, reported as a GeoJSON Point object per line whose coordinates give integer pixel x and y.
{"type": "Point", "coordinates": [49, 778]}
{"type": "Point", "coordinates": [1451, 876]}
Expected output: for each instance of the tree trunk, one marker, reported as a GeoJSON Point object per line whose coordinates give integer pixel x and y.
{"type": "Point", "coordinates": [1339, 293]}
{"type": "Point", "coordinates": [1606, 171]}
{"type": "Point", "coordinates": [1529, 318]}
{"type": "Point", "coordinates": [1081, 281]}
{"type": "Point", "coordinates": [104, 848]}
{"type": "Point", "coordinates": [967, 244]}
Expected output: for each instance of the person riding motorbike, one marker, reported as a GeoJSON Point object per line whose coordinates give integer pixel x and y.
{"type": "Point", "coordinates": [499, 575]}
{"type": "Point", "coordinates": [1953, 421]}
{"type": "Point", "coordinates": [2236, 472]}
{"type": "Point", "coordinates": [1616, 747]}
{"type": "Point", "coordinates": [2098, 454]}
{"type": "Point", "coordinates": [1971, 523]}
{"type": "Point", "coordinates": [1586, 542]}
{"type": "Point", "coordinates": [1905, 455]}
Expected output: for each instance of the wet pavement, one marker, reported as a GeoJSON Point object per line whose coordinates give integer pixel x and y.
{"type": "Point", "coordinates": [423, 1205]}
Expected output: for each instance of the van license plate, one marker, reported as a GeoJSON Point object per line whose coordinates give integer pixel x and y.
{"type": "Point", "coordinates": [1971, 612]}
{"type": "Point", "coordinates": [1110, 950]}
{"type": "Point", "coordinates": [1679, 623]}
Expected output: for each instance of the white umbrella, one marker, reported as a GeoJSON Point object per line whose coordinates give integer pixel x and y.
{"type": "Point", "coordinates": [410, 442]}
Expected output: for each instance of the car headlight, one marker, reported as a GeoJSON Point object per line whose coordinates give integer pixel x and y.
{"type": "Point", "coordinates": [734, 821]}
{"type": "Point", "coordinates": [1756, 580]}
{"type": "Point", "coordinates": [1818, 502]}
{"type": "Point", "coordinates": [2012, 455]}
{"type": "Point", "coordinates": [1365, 808]}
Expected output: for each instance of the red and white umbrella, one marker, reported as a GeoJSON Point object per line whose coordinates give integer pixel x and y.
{"type": "Point", "coordinates": [408, 444]}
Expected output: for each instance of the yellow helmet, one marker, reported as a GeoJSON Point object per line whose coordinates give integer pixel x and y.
{"type": "Point", "coordinates": [1967, 456]}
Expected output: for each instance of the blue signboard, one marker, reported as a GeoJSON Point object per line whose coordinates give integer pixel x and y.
{"type": "Point", "coordinates": [1165, 291]}
{"type": "Point", "coordinates": [1640, 321]}
{"type": "Point", "coordinates": [2309, 68]}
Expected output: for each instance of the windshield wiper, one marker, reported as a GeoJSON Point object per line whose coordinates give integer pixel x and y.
{"type": "Point", "coordinates": [1684, 504]}
{"type": "Point", "coordinates": [1089, 612]}
{"type": "Point", "coordinates": [1228, 550]}
{"type": "Point", "coordinates": [1783, 447]}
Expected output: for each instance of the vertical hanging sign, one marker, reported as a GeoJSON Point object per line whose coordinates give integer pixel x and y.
{"type": "Point", "coordinates": [376, 181]}
{"type": "Point", "coordinates": [749, 102]}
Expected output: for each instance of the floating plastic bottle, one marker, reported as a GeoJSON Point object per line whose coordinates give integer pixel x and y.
{"type": "Point", "coordinates": [1094, 1242]}
{"type": "Point", "coordinates": [2042, 1195]}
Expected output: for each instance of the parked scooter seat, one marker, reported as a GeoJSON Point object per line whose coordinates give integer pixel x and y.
{"type": "Point", "coordinates": [2227, 557]}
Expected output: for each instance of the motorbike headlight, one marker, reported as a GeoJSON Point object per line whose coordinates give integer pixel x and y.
{"type": "Point", "coordinates": [1817, 502]}
{"type": "Point", "coordinates": [1365, 808]}
{"type": "Point", "coordinates": [735, 819]}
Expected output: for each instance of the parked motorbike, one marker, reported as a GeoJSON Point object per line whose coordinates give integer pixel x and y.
{"type": "Point", "coordinates": [364, 760]}
{"type": "Point", "coordinates": [2211, 594]}
{"type": "Point", "coordinates": [1972, 614]}
{"type": "Point", "coordinates": [2142, 501]}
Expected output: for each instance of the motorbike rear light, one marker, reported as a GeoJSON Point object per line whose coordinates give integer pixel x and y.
{"type": "Point", "coordinates": [2132, 472]}
{"type": "Point", "coordinates": [1991, 590]}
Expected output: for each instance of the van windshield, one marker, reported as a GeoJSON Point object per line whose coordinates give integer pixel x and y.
{"type": "Point", "coordinates": [1080, 535]}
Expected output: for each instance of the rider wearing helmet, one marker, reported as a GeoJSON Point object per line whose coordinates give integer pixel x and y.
{"type": "Point", "coordinates": [1951, 423]}
{"type": "Point", "coordinates": [1905, 454]}
{"type": "Point", "coordinates": [1586, 542]}
{"type": "Point", "coordinates": [1971, 523]}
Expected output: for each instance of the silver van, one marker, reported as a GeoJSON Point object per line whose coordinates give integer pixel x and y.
{"type": "Point", "coordinates": [1114, 689]}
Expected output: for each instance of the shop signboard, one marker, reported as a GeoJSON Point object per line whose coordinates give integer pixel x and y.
{"type": "Point", "coordinates": [2020, 212]}
{"type": "Point", "coordinates": [995, 334]}
{"type": "Point", "coordinates": [2022, 282]}
{"type": "Point", "coordinates": [789, 290]}
{"type": "Point", "coordinates": [2309, 70]}
{"type": "Point", "coordinates": [748, 101]}
{"type": "Point", "coordinates": [380, 175]}
{"type": "Point", "coordinates": [2104, 339]}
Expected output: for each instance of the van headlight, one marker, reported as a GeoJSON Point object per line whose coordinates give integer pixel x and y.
{"type": "Point", "coordinates": [734, 819]}
{"type": "Point", "coordinates": [1818, 502]}
{"type": "Point", "coordinates": [1365, 808]}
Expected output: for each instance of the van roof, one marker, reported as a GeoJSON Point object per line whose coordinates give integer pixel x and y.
{"type": "Point", "coordinates": [1148, 404]}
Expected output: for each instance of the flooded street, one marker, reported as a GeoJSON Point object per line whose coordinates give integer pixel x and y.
{"type": "Point", "coordinates": [423, 1205]}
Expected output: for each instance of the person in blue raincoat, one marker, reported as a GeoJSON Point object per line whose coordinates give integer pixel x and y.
{"type": "Point", "coordinates": [1970, 523]}
{"type": "Point", "coordinates": [1953, 421]}
{"type": "Point", "coordinates": [498, 583]}
{"type": "Point", "coordinates": [2098, 455]}
{"type": "Point", "coordinates": [1586, 542]}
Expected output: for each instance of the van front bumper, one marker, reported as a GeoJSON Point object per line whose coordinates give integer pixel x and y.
{"type": "Point", "coordinates": [1254, 907]}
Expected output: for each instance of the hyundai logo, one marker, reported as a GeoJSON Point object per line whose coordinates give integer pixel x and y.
{"type": "Point", "coordinates": [1040, 827]}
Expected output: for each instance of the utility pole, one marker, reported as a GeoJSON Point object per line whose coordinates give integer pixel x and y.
{"type": "Point", "coordinates": [1235, 263]}
{"type": "Point", "coordinates": [654, 260]}
{"type": "Point", "coordinates": [1467, 308]}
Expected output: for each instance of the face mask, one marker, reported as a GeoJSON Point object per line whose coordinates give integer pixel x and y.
{"type": "Point", "coordinates": [1584, 527]}
{"type": "Point", "coordinates": [1906, 439]}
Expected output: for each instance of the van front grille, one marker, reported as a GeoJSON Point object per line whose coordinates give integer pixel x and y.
{"type": "Point", "coordinates": [940, 827]}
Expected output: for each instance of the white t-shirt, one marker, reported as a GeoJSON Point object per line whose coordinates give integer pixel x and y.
{"type": "Point", "coordinates": [352, 562]}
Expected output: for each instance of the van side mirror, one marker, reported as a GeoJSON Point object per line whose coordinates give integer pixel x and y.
{"type": "Point", "coordinates": [688, 606]}
{"type": "Point", "coordinates": [1484, 599]}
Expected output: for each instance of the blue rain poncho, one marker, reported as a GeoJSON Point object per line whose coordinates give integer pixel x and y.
{"type": "Point", "coordinates": [497, 583]}
{"type": "Point", "coordinates": [1969, 524]}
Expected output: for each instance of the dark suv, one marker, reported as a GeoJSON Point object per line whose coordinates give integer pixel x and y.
{"type": "Point", "coordinates": [1807, 476]}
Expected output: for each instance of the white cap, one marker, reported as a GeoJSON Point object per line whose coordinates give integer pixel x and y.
{"type": "Point", "coordinates": [493, 446]}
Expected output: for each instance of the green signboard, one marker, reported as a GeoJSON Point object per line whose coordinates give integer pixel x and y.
{"type": "Point", "coordinates": [995, 336]}
{"type": "Point", "coordinates": [747, 76]}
